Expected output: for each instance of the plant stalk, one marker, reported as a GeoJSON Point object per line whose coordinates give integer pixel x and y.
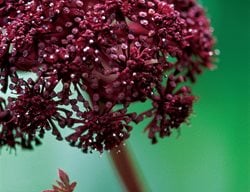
{"type": "Point", "coordinates": [125, 168]}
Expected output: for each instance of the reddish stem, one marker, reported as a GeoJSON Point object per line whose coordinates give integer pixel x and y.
{"type": "Point", "coordinates": [125, 169]}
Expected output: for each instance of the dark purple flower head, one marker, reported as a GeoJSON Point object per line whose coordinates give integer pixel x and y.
{"type": "Point", "coordinates": [11, 135]}
{"type": "Point", "coordinates": [36, 107]}
{"type": "Point", "coordinates": [101, 131]}
{"type": "Point", "coordinates": [90, 57]}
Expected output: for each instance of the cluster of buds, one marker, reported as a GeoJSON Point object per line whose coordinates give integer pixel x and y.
{"type": "Point", "coordinates": [86, 62]}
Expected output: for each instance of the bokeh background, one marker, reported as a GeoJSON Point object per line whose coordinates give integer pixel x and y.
{"type": "Point", "coordinates": [209, 155]}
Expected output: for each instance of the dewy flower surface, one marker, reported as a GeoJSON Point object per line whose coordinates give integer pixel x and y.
{"type": "Point", "coordinates": [90, 57]}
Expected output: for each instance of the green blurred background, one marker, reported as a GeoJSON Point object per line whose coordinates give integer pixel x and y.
{"type": "Point", "coordinates": [210, 155]}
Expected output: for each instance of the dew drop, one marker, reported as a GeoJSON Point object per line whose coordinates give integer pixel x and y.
{"type": "Point", "coordinates": [171, 6]}
{"type": "Point", "coordinates": [217, 52]}
{"type": "Point", "coordinates": [66, 56]}
{"type": "Point", "coordinates": [52, 56]}
{"type": "Point", "coordinates": [86, 49]}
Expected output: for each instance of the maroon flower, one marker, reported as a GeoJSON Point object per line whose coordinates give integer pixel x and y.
{"type": "Point", "coordinates": [10, 134]}
{"type": "Point", "coordinates": [101, 131]}
{"type": "Point", "coordinates": [200, 50]}
{"type": "Point", "coordinates": [90, 57]}
{"type": "Point", "coordinates": [171, 106]}
{"type": "Point", "coordinates": [37, 108]}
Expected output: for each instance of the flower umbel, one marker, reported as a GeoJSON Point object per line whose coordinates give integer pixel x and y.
{"type": "Point", "coordinates": [92, 57]}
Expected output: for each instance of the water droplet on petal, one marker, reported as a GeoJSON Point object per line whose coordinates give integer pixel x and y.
{"type": "Point", "coordinates": [86, 49]}
{"type": "Point", "coordinates": [217, 52]}
{"type": "Point", "coordinates": [210, 53]}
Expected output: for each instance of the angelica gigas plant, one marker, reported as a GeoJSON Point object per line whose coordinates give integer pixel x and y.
{"type": "Point", "coordinates": [68, 64]}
